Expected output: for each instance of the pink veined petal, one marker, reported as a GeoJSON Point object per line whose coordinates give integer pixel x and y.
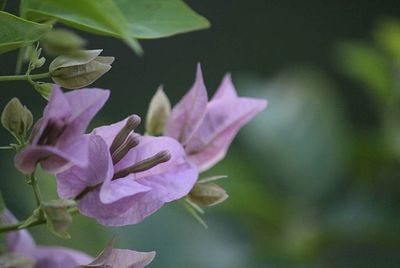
{"type": "Point", "coordinates": [52, 158]}
{"type": "Point", "coordinates": [126, 258]}
{"type": "Point", "coordinates": [17, 241]}
{"type": "Point", "coordinates": [85, 103]}
{"type": "Point", "coordinates": [57, 108]}
{"type": "Point", "coordinates": [59, 257]}
{"type": "Point", "coordinates": [74, 180]}
{"type": "Point", "coordinates": [112, 191]}
{"type": "Point", "coordinates": [189, 111]}
{"type": "Point", "coordinates": [133, 209]}
{"type": "Point", "coordinates": [149, 146]}
{"type": "Point", "coordinates": [223, 120]}
{"type": "Point", "coordinates": [226, 89]}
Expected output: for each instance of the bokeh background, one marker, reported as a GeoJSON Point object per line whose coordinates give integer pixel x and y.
{"type": "Point", "coordinates": [314, 181]}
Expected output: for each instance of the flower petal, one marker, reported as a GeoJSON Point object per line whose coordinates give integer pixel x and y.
{"type": "Point", "coordinates": [52, 159]}
{"type": "Point", "coordinates": [85, 103]}
{"type": "Point", "coordinates": [73, 181]}
{"type": "Point", "coordinates": [59, 257]}
{"type": "Point", "coordinates": [17, 241]}
{"type": "Point", "coordinates": [189, 111]}
{"type": "Point", "coordinates": [149, 146]}
{"type": "Point", "coordinates": [112, 191]}
{"type": "Point", "coordinates": [222, 121]}
{"type": "Point", "coordinates": [225, 90]}
{"type": "Point", "coordinates": [133, 209]}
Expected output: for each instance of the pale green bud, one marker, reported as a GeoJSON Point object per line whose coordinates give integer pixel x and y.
{"type": "Point", "coordinates": [57, 216]}
{"type": "Point", "coordinates": [158, 113]}
{"type": "Point", "coordinates": [16, 118]}
{"type": "Point", "coordinates": [43, 89]}
{"type": "Point", "coordinates": [207, 194]}
{"type": "Point", "coordinates": [79, 69]}
{"type": "Point", "coordinates": [61, 41]}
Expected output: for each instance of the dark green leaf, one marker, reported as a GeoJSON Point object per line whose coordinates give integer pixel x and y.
{"type": "Point", "coordinates": [16, 32]}
{"type": "Point", "coordinates": [124, 19]}
{"type": "Point", "coordinates": [99, 17]}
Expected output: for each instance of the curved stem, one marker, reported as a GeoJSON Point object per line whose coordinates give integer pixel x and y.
{"type": "Point", "coordinates": [17, 226]}
{"type": "Point", "coordinates": [24, 77]}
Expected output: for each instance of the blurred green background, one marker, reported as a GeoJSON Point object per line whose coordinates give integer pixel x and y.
{"type": "Point", "coordinates": [314, 181]}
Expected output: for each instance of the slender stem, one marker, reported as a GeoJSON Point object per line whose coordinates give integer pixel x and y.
{"type": "Point", "coordinates": [24, 77]}
{"type": "Point", "coordinates": [16, 226]}
{"type": "Point", "coordinates": [36, 190]}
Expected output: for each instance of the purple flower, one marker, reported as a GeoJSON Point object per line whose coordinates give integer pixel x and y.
{"type": "Point", "coordinates": [57, 139]}
{"type": "Point", "coordinates": [44, 257]}
{"type": "Point", "coordinates": [21, 243]}
{"type": "Point", "coordinates": [129, 176]}
{"type": "Point", "coordinates": [207, 128]}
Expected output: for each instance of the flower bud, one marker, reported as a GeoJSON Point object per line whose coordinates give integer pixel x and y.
{"type": "Point", "coordinates": [158, 113]}
{"type": "Point", "coordinates": [43, 89]}
{"type": "Point", "coordinates": [16, 118]}
{"type": "Point", "coordinates": [57, 216]}
{"type": "Point", "coordinates": [61, 41]}
{"type": "Point", "coordinates": [207, 194]}
{"type": "Point", "coordinates": [79, 69]}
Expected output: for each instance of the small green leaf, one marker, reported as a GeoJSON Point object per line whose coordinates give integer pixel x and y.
{"type": "Point", "coordinates": [17, 32]}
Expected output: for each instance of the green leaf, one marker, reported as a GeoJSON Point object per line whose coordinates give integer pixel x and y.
{"type": "Point", "coordinates": [16, 32]}
{"type": "Point", "coordinates": [159, 18]}
{"type": "Point", "coordinates": [123, 19]}
{"type": "Point", "coordinates": [366, 65]}
{"type": "Point", "coordinates": [100, 17]}
{"type": "Point", "coordinates": [387, 35]}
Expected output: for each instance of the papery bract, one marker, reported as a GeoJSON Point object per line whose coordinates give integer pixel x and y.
{"type": "Point", "coordinates": [21, 242]}
{"type": "Point", "coordinates": [115, 197]}
{"type": "Point", "coordinates": [207, 128]}
{"type": "Point", "coordinates": [45, 257]}
{"type": "Point", "coordinates": [57, 139]}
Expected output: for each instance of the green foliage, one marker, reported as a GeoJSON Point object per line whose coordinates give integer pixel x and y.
{"type": "Point", "coordinates": [126, 20]}
{"type": "Point", "coordinates": [366, 65]}
{"type": "Point", "coordinates": [159, 18]}
{"type": "Point", "coordinates": [16, 32]}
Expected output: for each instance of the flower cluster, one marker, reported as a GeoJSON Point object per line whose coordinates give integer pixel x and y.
{"type": "Point", "coordinates": [118, 176]}
{"type": "Point", "coordinates": [21, 251]}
